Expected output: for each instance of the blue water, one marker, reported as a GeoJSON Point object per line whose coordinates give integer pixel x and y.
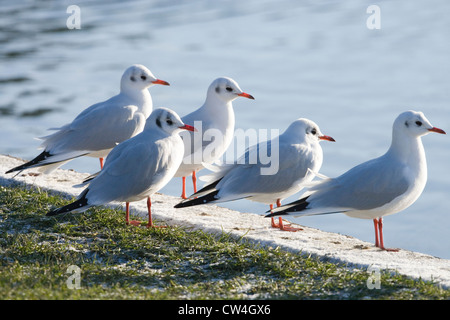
{"type": "Point", "coordinates": [313, 59]}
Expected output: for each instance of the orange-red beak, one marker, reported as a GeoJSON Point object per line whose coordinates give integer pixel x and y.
{"type": "Point", "coordinates": [246, 95]}
{"type": "Point", "coordinates": [158, 81]}
{"type": "Point", "coordinates": [188, 127]}
{"type": "Point", "coordinates": [328, 138]}
{"type": "Point", "coordinates": [434, 129]}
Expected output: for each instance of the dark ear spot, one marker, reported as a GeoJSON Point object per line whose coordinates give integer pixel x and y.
{"type": "Point", "coordinates": [132, 78]}
{"type": "Point", "coordinates": [406, 124]}
{"type": "Point", "coordinates": [158, 122]}
{"type": "Point", "coordinates": [218, 89]}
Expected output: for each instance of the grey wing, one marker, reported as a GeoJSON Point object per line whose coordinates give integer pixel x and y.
{"type": "Point", "coordinates": [129, 173]}
{"type": "Point", "coordinates": [100, 127]}
{"type": "Point", "coordinates": [249, 178]}
{"type": "Point", "coordinates": [366, 186]}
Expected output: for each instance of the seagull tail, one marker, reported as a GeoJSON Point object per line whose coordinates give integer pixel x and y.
{"type": "Point", "coordinates": [79, 205]}
{"type": "Point", "coordinates": [292, 207]}
{"type": "Point", "coordinates": [200, 200]}
{"type": "Point", "coordinates": [44, 155]}
{"type": "Point", "coordinates": [49, 161]}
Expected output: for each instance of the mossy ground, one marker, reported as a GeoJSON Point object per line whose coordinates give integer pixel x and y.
{"type": "Point", "coordinates": [117, 261]}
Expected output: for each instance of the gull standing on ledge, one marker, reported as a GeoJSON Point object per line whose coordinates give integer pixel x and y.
{"type": "Point", "coordinates": [99, 128]}
{"type": "Point", "coordinates": [216, 116]}
{"type": "Point", "coordinates": [378, 187]}
{"type": "Point", "coordinates": [136, 168]}
{"type": "Point", "coordinates": [299, 158]}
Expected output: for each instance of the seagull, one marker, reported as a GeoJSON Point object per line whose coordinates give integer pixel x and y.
{"type": "Point", "coordinates": [298, 156]}
{"type": "Point", "coordinates": [99, 128]}
{"type": "Point", "coordinates": [376, 188]}
{"type": "Point", "coordinates": [215, 117]}
{"type": "Point", "coordinates": [136, 168]}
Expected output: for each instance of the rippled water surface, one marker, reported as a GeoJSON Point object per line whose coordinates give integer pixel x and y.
{"type": "Point", "coordinates": [314, 59]}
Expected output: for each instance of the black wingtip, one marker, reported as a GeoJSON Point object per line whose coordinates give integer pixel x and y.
{"type": "Point", "coordinates": [295, 206]}
{"type": "Point", "coordinates": [19, 168]}
{"type": "Point", "coordinates": [54, 212]}
{"type": "Point", "coordinates": [197, 201]}
{"type": "Point", "coordinates": [276, 214]}
{"type": "Point", "coordinates": [44, 155]}
{"type": "Point", "coordinates": [90, 178]}
{"type": "Point", "coordinates": [180, 205]}
{"type": "Point", "coordinates": [81, 202]}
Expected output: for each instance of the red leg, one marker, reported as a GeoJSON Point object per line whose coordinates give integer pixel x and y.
{"type": "Point", "coordinates": [194, 181]}
{"type": "Point", "coordinates": [150, 222]}
{"type": "Point", "coordinates": [149, 208]}
{"type": "Point", "coordinates": [274, 225]}
{"type": "Point", "coordinates": [375, 224]}
{"type": "Point", "coordinates": [183, 192]}
{"type": "Point", "coordinates": [280, 224]}
{"type": "Point", "coordinates": [127, 217]}
{"type": "Point", "coordinates": [378, 224]}
{"type": "Point", "coordinates": [101, 163]}
{"type": "Point", "coordinates": [287, 227]}
{"type": "Point", "coordinates": [380, 228]}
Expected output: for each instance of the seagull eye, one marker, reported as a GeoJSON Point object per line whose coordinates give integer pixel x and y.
{"type": "Point", "coordinates": [229, 89]}
{"type": "Point", "coordinates": [143, 77]}
{"type": "Point", "coordinates": [169, 122]}
{"type": "Point", "coordinates": [418, 123]}
{"type": "Point", "coordinates": [314, 131]}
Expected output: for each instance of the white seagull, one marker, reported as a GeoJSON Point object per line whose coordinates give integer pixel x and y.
{"type": "Point", "coordinates": [378, 187]}
{"type": "Point", "coordinates": [298, 158]}
{"type": "Point", "coordinates": [136, 168]}
{"type": "Point", "coordinates": [216, 120]}
{"type": "Point", "coordinates": [99, 128]}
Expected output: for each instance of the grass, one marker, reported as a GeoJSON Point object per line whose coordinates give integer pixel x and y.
{"type": "Point", "coordinates": [117, 261]}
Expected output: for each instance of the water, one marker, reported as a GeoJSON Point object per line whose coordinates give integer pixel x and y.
{"type": "Point", "coordinates": [313, 59]}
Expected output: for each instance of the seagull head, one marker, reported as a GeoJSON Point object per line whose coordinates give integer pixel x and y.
{"type": "Point", "coordinates": [226, 89]}
{"type": "Point", "coordinates": [306, 130]}
{"type": "Point", "coordinates": [415, 124]}
{"type": "Point", "coordinates": [139, 77]}
{"type": "Point", "coordinates": [166, 120]}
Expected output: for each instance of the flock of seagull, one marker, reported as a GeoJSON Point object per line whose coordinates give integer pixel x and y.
{"type": "Point", "coordinates": [145, 148]}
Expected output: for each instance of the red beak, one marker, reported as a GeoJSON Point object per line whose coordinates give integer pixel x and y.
{"type": "Point", "coordinates": [188, 127]}
{"type": "Point", "coordinates": [246, 95]}
{"type": "Point", "coordinates": [328, 138]}
{"type": "Point", "coordinates": [434, 129]}
{"type": "Point", "coordinates": [158, 81]}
